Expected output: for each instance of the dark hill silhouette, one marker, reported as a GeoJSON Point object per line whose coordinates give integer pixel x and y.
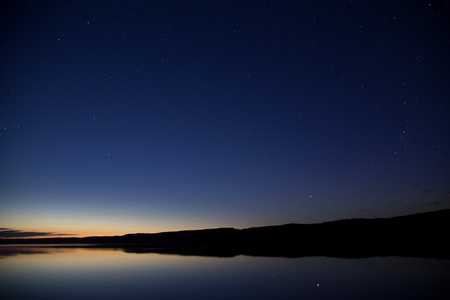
{"type": "Point", "coordinates": [423, 234]}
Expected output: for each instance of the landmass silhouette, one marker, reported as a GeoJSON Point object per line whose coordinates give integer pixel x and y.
{"type": "Point", "coordinates": [418, 235]}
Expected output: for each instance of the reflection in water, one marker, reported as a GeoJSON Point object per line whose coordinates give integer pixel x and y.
{"type": "Point", "coordinates": [98, 273]}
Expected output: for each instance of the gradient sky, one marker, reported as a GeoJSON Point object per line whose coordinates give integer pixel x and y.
{"type": "Point", "coordinates": [144, 116]}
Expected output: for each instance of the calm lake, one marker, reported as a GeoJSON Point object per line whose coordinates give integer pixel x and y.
{"type": "Point", "coordinates": [36, 272]}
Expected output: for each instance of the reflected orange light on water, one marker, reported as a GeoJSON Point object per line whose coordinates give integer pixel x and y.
{"type": "Point", "coordinates": [83, 259]}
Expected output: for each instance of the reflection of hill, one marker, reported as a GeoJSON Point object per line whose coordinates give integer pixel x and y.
{"type": "Point", "coordinates": [414, 235]}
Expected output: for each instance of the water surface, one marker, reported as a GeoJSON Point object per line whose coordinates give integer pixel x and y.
{"type": "Point", "coordinates": [34, 272]}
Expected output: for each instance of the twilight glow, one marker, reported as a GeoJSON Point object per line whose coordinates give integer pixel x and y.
{"type": "Point", "coordinates": [147, 116]}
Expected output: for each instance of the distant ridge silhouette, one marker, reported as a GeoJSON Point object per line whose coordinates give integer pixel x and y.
{"type": "Point", "coordinates": [423, 234]}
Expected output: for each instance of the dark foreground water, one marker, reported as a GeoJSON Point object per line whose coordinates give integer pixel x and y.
{"type": "Point", "coordinates": [96, 273]}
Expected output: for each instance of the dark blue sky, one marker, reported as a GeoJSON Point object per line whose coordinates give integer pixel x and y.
{"type": "Point", "coordinates": [143, 116]}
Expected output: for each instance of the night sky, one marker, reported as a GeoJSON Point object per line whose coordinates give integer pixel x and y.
{"type": "Point", "coordinates": [144, 116]}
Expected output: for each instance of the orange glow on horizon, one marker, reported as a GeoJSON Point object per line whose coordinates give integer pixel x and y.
{"type": "Point", "coordinates": [72, 232]}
